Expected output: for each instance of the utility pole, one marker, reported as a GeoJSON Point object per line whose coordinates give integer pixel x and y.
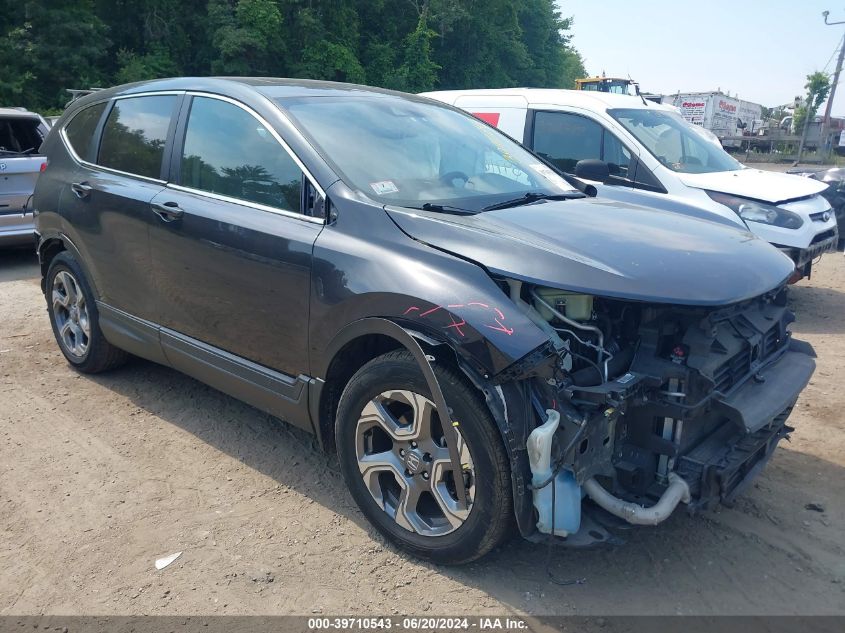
{"type": "Point", "coordinates": [829, 106]}
{"type": "Point", "coordinates": [804, 132]}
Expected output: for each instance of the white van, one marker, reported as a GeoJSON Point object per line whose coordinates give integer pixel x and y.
{"type": "Point", "coordinates": [639, 151]}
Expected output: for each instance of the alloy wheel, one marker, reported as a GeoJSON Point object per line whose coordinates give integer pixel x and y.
{"type": "Point", "coordinates": [71, 314]}
{"type": "Point", "coordinates": [404, 461]}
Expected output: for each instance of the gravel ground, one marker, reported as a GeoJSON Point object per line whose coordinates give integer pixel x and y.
{"type": "Point", "coordinates": [100, 476]}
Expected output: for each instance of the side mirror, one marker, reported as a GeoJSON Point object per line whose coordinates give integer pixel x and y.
{"type": "Point", "coordinates": [592, 169]}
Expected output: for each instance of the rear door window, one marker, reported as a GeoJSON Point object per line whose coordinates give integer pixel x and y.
{"type": "Point", "coordinates": [227, 151]}
{"type": "Point", "coordinates": [135, 134]}
{"type": "Point", "coordinates": [80, 131]}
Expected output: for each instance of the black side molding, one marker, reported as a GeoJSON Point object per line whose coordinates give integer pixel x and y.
{"type": "Point", "coordinates": [276, 393]}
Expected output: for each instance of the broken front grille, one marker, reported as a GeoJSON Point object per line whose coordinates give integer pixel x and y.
{"type": "Point", "coordinates": [736, 368]}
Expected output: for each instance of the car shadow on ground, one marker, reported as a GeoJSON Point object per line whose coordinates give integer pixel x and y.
{"type": "Point", "coordinates": [684, 552]}
{"type": "Point", "coordinates": [17, 264]}
{"type": "Point", "coordinates": [818, 309]}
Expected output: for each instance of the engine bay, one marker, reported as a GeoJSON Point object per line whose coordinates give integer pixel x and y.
{"type": "Point", "coordinates": [658, 404]}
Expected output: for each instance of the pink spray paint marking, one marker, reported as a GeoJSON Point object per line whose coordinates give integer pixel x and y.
{"type": "Point", "coordinates": [457, 325]}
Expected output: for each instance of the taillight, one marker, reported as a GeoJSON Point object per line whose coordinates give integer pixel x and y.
{"type": "Point", "coordinates": [43, 166]}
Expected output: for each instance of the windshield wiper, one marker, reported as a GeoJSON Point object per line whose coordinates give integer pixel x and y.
{"type": "Point", "coordinates": [444, 208]}
{"type": "Point", "coordinates": [533, 196]}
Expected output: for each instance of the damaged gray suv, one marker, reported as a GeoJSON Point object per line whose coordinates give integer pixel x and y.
{"type": "Point", "coordinates": [481, 343]}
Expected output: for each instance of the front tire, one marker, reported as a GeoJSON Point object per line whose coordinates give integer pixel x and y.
{"type": "Point", "coordinates": [394, 460]}
{"type": "Point", "coordinates": [75, 320]}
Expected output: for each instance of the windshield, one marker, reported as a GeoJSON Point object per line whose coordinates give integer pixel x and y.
{"type": "Point", "coordinates": [679, 145]}
{"type": "Point", "coordinates": [409, 153]}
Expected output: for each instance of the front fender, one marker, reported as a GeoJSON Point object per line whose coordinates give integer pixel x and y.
{"type": "Point", "coordinates": [365, 266]}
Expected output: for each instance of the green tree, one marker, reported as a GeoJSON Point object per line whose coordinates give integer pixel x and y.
{"type": "Point", "coordinates": [418, 72]}
{"type": "Point", "coordinates": [327, 35]}
{"type": "Point", "coordinates": [246, 35]}
{"type": "Point", "coordinates": [817, 87]}
{"type": "Point", "coordinates": [48, 47]}
{"type": "Point", "coordinates": [154, 38]}
{"type": "Point", "coordinates": [412, 45]}
{"type": "Point", "coordinates": [152, 65]}
{"type": "Point", "coordinates": [553, 61]}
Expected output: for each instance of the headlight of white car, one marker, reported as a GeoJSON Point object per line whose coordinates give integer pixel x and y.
{"type": "Point", "coordinates": [754, 211]}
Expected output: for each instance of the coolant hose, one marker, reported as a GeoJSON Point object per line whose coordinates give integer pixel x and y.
{"type": "Point", "coordinates": [677, 491]}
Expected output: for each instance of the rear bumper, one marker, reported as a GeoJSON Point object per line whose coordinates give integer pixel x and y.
{"type": "Point", "coordinates": [20, 235]}
{"type": "Point", "coordinates": [16, 228]}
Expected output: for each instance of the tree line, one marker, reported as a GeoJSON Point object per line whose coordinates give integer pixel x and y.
{"type": "Point", "coordinates": [48, 46]}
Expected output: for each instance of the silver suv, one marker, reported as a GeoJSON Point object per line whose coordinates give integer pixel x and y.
{"type": "Point", "coordinates": [21, 134]}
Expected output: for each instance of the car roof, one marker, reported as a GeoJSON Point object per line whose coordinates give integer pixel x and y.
{"type": "Point", "coordinates": [16, 113]}
{"type": "Point", "coordinates": [271, 87]}
{"type": "Point", "coordinates": [588, 99]}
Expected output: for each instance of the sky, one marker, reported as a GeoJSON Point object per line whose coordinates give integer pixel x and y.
{"type": "Point", "coordinates": [761, 51]}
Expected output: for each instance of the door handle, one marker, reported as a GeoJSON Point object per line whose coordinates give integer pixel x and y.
{"type": "Point", "coordinates": [82, 190]}
{"type": "Point", "coordinates": [167, 211]}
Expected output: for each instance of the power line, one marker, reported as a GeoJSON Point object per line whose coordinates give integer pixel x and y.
{"type": "Point", "coordinates": [832, 55]}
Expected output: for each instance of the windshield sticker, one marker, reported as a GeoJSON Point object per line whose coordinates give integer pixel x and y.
{"type": "Point", "coordinates": [384, 187]}
{"type": "Point", "coordinates": [551, 175]}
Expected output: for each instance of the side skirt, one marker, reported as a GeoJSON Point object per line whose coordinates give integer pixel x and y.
{"type": "Point", "coordinates": [273, 392]}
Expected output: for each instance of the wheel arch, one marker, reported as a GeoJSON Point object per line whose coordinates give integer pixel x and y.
{"type": "Point", "coordinates": [49, 246]}
{"type": "Point", "coordinates": [368, 338]}
{"type": "Point", "coordinates": [354, 346]}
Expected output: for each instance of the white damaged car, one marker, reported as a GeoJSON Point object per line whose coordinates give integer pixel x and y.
{"type": "Point", "coordinates": [21, 135]}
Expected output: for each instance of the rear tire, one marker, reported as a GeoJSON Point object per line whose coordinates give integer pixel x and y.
{"type": "Point", "coordinates": [393, 458]}
{"type": "Point", "coordinates": [75, 319]}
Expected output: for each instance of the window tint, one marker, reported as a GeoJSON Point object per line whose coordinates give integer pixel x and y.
{"type": "Point", "coordinates": [564, 139]}
{"type": "Point", "coordinates": [135, 134]}
{"type": "Point", "coordinates": [616, 155]}
{"type": "Point", "coordinates": [81, 129]}
{"type": "Point", "coordinates": [227, 151]}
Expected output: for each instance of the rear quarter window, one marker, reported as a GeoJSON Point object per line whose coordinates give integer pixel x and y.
{"type": "Point", "coordinates": [81, 128]}
{"type": "Point", "coordinates": [135, 134]}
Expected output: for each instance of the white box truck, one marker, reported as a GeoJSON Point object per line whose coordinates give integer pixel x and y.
{"type": "Point", "coordinates": [715, 111]}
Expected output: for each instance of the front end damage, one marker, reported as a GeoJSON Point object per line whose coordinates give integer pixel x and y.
{"type": "Point", "coordinates": [640, 407]}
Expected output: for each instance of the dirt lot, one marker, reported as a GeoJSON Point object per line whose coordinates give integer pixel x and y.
{"type": "Point", "coordinates": [99, 476]}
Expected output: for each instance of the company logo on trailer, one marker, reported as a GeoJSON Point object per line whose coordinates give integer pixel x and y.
{"type": "Point", "coordinates": [727, 107]}
{"type": "Point", "coordinates": [692, 104]}
{"type": "Point", "coordinates": [488, 117]}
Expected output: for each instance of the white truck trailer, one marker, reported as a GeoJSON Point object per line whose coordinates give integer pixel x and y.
{"type": "Point", "coordinates": [723, 115]}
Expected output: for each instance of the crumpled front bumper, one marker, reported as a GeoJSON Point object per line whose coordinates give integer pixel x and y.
{"type": "Point", "coordinates": [804, 256]}
{"type": "Point", "coordinates": [771, 390]}
{"type": "Point", "coordinates": [723, 465]}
